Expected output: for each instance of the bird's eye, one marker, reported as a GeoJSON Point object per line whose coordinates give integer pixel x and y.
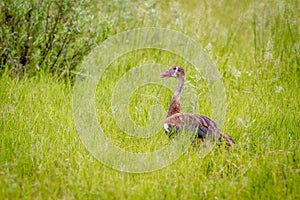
{"type": "Point", "coordinates": [174, 68]}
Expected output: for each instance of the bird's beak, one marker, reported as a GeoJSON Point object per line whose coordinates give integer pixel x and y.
{"type": "Point", "coordinates": [165, 74]}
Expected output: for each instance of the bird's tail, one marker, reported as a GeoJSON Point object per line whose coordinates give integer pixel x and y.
{"type": "Point", "coordinates": [228, 139]}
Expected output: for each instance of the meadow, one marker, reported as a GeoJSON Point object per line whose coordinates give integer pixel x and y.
{"type": "Point", "coordinates": [256, 48]}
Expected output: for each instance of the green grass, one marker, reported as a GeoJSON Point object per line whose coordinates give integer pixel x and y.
{"type": "Point", "coordinates": [256, 48]}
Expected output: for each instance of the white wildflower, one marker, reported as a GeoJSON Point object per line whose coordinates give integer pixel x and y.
{"type": "Point", "coordinates": [208, 47]}
{"type": "Point", "coordinates": [268, 56]}
{"type": "Point", "coordinates": [236, 73]}
{"type": "Point", "coordinates": [278, 89]}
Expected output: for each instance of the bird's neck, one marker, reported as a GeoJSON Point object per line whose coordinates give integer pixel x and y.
{"type": "Point", "coordinates": [174, 107]}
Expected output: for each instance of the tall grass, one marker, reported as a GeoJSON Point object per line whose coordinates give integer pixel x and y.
{"type": "Point", "coordinates": [256, 48]}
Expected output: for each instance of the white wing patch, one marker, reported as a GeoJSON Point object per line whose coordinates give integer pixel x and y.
{"type": "Point", "coordinates": [166, 127]}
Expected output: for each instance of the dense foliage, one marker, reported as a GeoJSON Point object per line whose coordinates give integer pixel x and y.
{"type": "Point", "coordinates": [50, 35]}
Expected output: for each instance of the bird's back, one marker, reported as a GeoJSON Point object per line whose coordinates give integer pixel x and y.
{"type": "Point", "coordinates": [201, 125]}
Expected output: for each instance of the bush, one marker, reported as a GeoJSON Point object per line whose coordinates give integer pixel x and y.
{"type": "Point", "coordinates": [47, 35]}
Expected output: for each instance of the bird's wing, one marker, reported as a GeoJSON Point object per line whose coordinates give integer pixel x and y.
{"type": "Point", "coordinates": [201, 125]}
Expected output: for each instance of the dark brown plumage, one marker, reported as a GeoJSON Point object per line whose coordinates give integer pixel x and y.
{"type": "Point", "coordinates": [201, 125]}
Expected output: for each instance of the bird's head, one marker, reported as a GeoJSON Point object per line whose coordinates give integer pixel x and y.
{"type": "Point", "coordinates": [175, 71]}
